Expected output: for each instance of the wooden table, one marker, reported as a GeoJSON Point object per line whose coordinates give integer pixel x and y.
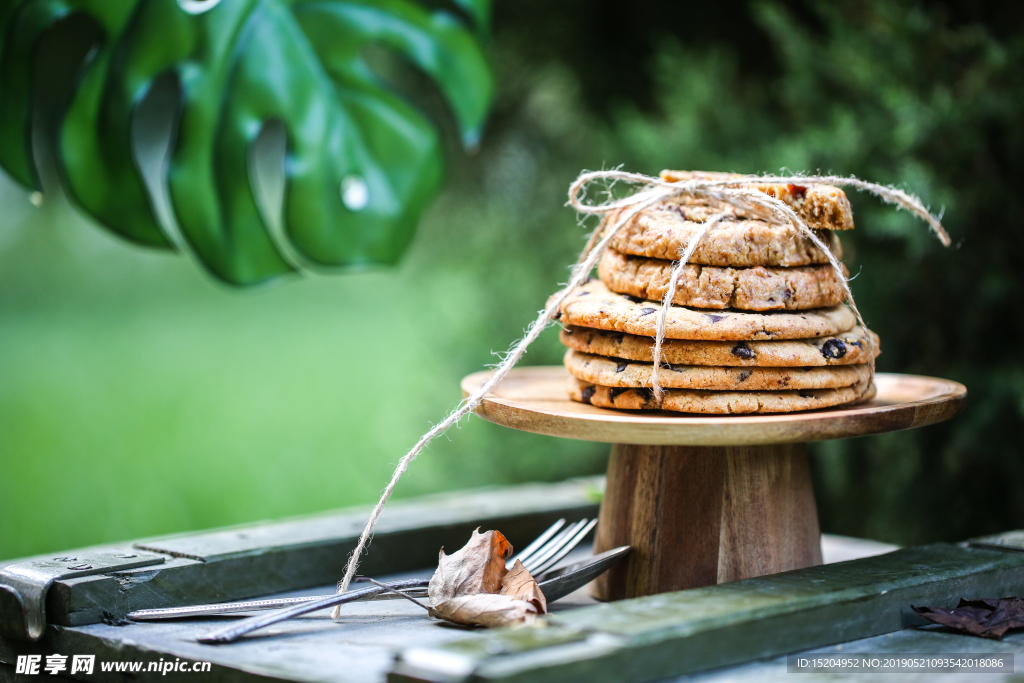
{"type": "Point", "coordinates": [706, 499]}
{"type": "Point", "coordinates": [738, 631]}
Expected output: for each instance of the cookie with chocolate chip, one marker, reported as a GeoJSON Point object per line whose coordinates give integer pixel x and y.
{"type": "Point", "coordinates": [846, 348]}
{"type": "Point", "coordinates": [594, 305]}
{"type": "Point", "coordinates": [822, 207]}
{"type": "Point", "coordinates": [752, 289]}
{"type": "Point", "coordinates": [717, 402]}
{"type": "Point", "coordinates": [614, 372]}
{"type": "Point", "coordinates": [663, 231]}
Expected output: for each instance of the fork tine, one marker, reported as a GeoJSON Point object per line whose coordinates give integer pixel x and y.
{"type": "Point", "coordinates": [524, 554]}
{"type": "Point", "coordinates": [576, 539]}
{"type": "Point", "coordinates": [553, 545]}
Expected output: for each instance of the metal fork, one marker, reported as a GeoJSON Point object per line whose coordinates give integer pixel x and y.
{"type": "Point", "coordinates": [556, 583]}
{"type": "Point", "coordinates": [540, 555]}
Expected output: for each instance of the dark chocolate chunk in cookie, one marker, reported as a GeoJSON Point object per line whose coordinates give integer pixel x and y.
{"type": "Point", "coordinates": [742, 351]}
{"type": "Point", "coordinates": [833, 348]}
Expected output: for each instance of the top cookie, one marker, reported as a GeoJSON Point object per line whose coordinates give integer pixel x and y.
{"type": "Point", "coordinates": [822, 207]}
{"type": "Point", "coordinates": [594, 305]}
{"type": "Point", "coordinates": [663, 231]}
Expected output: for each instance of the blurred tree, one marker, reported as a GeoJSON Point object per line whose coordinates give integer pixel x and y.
{"type": "Point", "coordinates": [357, 162]}
{"type": "Point", "coordinates": [929, 96]}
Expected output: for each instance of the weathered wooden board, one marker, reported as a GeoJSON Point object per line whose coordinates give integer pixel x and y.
{"type": "Point", "coordinates": [360, 648]}
{"type": "Point", "coordinates": [666, 635]}
{"type": "Point", "coordinates": [1011, 540]}
{"type": "Point", "coordinates": [270, 557]}
{"type": "Point", "coordinates": [652, 638]}
{"type": "Point", "coordinates": [917, 641]}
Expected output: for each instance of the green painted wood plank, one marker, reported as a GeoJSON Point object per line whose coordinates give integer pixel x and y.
{"type": "Point", "coordinates": [647, 639]}
{"type": "Point", "coordinates": [358, 649]}
{"type": "Point", "coordinates": [269, 557]}
{"type": "Point", "coordinates": [900, 642]}
{"type": "Point", "coordinates": [671, 634]}
{"type": "Point", "coordinates": [1009, 540]}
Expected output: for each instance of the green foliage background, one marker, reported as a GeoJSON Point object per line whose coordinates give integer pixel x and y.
{"type": "Point", "coordinates": [137, 397]}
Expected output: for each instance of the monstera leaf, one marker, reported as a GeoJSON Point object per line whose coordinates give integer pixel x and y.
{"type": "Point", "coordinates": [361, 163]}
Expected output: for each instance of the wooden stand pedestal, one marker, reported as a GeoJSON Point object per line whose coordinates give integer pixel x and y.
{"type": "Point", "coordinates": [704, 499]}
{"type": "Point", "coordinates": [697, 516]}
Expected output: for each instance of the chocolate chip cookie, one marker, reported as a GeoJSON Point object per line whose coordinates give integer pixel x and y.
{"type": "Point", "coordinates": [612, 372]}
{"type": "Point", "coordinates": [847, 348]}
{"type": "Point", "coordinates": [822, 207]}
{"type": "Point", "coordinates": [752, 289]}
{"type": "Point", "coordinates": [594, 305]}
{"type": "Point", "coordinates": [717, 402]}
{"type": "Point", "coordinates": [664, 230]}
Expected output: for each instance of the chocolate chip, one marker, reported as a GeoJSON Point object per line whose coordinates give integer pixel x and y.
{"type": "Point", "coordinates": [614, 393]}
{"type": "Point", "coordinates": [646, 394]}
{"type": "Point", "coordinates": [646, 311]}
{"type": "Point", "coordinates": [558, 316]}
{"type": "Point", "coordinates": [588, 393]}
{"type": "Point", "coordinates": [797, 190]}
{"type": "Point", "coordinates": [617, 338]}
{"type": "Point", "coordinates": [714, 318]}
{"type": "Point", "coordinates": [805, 394]}
{"type": "Point", "coordinates": [634, 299]}
{"type": "Point", "coordinates": [787, 294]}
{"type": "Point", "coordinates": [833, 348]}
{"type": "Point", "coordinates": [744, 375]}
{"type": "Point", "coordinates": [621, 366]}
{"type": "Point", "coordinates": [743, 351]}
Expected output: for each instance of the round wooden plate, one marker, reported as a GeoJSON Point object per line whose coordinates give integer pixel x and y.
{"type": "Point", "coordinates": [534, 399]}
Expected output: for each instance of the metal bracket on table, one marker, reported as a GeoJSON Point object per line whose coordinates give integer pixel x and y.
{"type": "Point", "coordinates": [23, 586]}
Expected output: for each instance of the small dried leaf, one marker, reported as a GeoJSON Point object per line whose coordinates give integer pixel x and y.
{"type": "Point", "coordinates": [486, 610]}
{"type": "Point", "coordinates": [986, 617]}
{"type": "Point", "coordinates": [478, 567]}
{"type": "Point", "coordinates": [521, 585]}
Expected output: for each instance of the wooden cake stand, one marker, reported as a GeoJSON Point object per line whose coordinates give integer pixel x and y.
{"type": "Point", "coordinates": [705, 499]}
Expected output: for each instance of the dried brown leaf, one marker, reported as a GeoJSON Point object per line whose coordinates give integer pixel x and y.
{"type": "Point", "coordinates": [985, 617]}
{"type": "Point", "coordinates": [478, 567]}
{"type": "Point", "coordinates": [520, 585]}
{"type": "Point", "coordinates": [486, 610]}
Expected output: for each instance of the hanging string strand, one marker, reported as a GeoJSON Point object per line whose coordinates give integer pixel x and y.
{"type": "Point", "coordinates": [732, 191]}
{"type": "Point", "coordinates": [670, 293]}
{"type": "Point", "coordinates": [579, 274]}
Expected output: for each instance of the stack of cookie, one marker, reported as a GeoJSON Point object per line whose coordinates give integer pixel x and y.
{"type": "Point", "coordinates": [758, 323]}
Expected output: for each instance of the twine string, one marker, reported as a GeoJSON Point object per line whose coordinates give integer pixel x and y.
{"type": "Point", "coordinates": [579, 273]}
{"type": "Point", "coordinates": [732, 191]}
{"type": "Point", "coordinates": [670, 293]}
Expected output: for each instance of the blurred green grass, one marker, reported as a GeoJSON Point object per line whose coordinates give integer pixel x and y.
{"type": "Point", "coordinates": [138, 397]}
